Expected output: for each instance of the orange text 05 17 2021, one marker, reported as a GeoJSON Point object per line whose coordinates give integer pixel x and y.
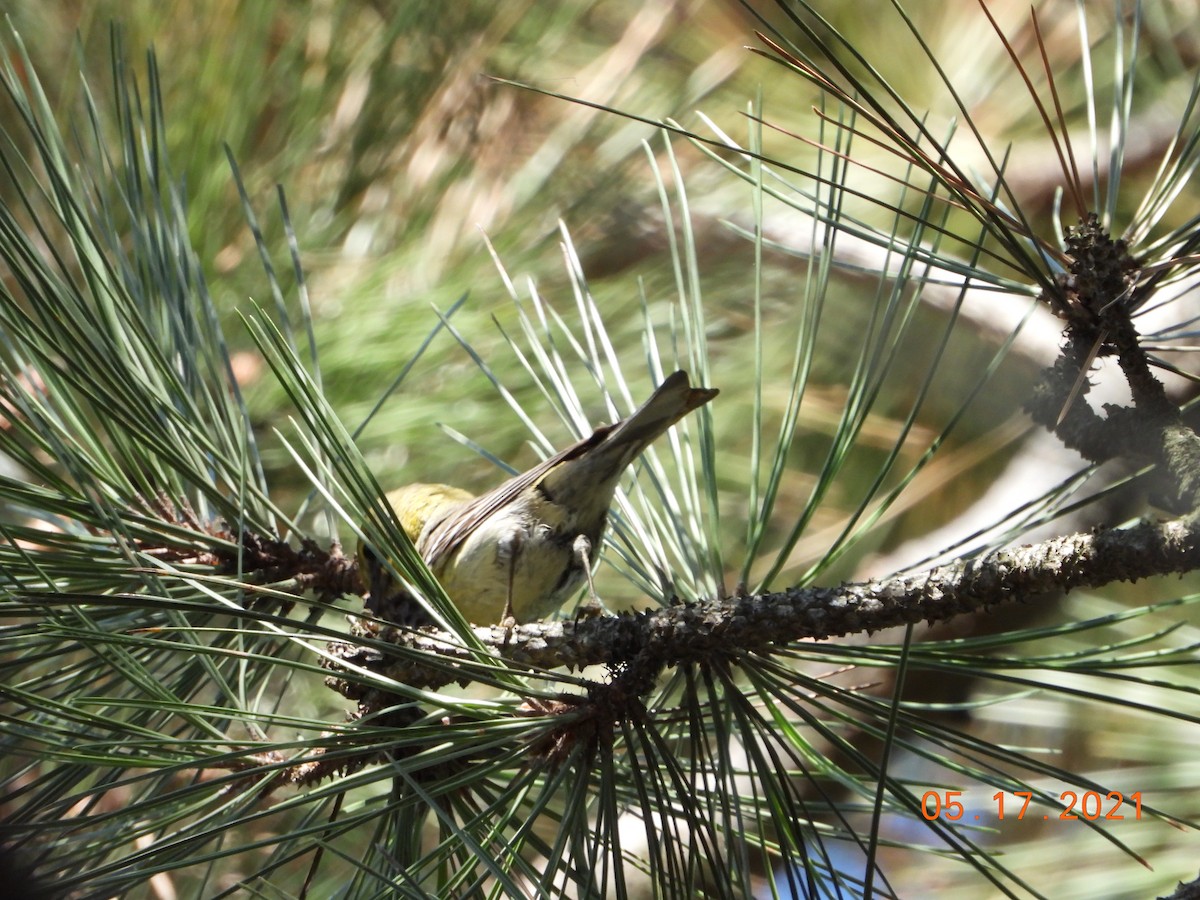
{"type": "Point", "coordinates": [1089, 805]}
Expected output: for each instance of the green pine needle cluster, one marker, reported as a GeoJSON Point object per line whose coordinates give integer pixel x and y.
{"type": "Point", "coordinates": [207, 383]}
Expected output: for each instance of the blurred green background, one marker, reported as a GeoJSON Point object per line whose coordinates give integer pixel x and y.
{"type": "Point", "coordinates": [398, 154]}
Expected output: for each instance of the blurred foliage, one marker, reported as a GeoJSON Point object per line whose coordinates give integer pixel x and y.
{"type": "Point", "coordinates": [395, 150]}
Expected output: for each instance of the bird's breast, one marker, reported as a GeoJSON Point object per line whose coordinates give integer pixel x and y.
{"type": "Point", "coordinates": [535, 553]}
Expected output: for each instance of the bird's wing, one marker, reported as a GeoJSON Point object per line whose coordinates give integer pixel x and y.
{"type": "Point", "coordinates": [448, 535]}
{"type": "Point", "coordinates": [671, 401]}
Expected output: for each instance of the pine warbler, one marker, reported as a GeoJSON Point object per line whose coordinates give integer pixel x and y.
{"type": "Point", "coordinates": [521, 550]}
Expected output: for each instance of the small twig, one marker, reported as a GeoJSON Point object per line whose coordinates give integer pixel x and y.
{"type": "Point", "coordinates": [1096, 300]}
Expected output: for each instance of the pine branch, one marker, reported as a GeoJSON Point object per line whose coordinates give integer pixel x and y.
{"type": "Point", "coordinates": [728, 630]}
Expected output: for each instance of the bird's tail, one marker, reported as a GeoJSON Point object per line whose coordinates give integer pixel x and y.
{"type": "Point", "coordinates": [673, 400]}
{"type": "Point", "coordinates": [610, 449]}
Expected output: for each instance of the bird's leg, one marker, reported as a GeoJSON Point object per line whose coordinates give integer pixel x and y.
{"type": "Point", "coordinates": [583, 549]}
{"type": "Point", "coordinates": [509, 619]}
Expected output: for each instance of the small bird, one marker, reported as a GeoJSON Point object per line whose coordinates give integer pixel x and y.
{"type": "Point", "coordinates": [519, 551]}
